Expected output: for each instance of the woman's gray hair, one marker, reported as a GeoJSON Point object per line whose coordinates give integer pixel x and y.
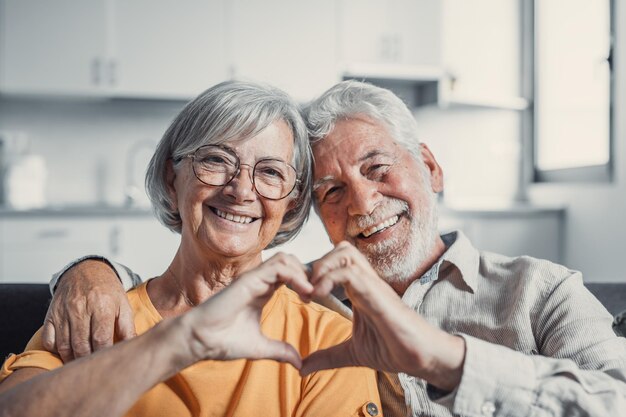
{"type": "Point", "coordinates": [231, 110]}
{"type": "Point", "coordinates": [351, 99]}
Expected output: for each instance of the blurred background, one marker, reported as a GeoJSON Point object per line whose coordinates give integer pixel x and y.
{"type": "Point", "coordinates": [521, 101]}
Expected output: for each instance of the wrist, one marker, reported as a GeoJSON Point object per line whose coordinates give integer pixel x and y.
{"type": "Point", "coordinates": [445, 367]}
{"type": "Point", "coordinates": [87, 263]}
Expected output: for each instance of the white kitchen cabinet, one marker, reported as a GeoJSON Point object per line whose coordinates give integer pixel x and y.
{"type": "Point", "coordinates": [398, 32]}
{"type": "Point", "coordinates": [480, 47]}
{"type": "Point", "coordinates": [112, 48]}
{"type": "Point", "coordinates": [52, 47]}
{"type": "Point", "coordinates": [290, 44]}
{"type": "Point", "coordinates": [167, 48]}
{"type": "Point", "coordinates": [34, 248]}
{"type": "Point", "coordinates": [143, 244]}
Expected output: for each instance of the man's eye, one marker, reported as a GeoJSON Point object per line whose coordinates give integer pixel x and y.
{"type": "Point", "coordinates": [377, 170]}
{"type": "Point", "coordinates": [332, 195]}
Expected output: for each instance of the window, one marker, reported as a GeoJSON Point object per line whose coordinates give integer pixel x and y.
{"type": "Point", "coordinates": [572, 90]}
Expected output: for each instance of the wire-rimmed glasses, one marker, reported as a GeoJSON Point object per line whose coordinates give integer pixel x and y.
{"type": "Point", "coordinates": [216, 165]}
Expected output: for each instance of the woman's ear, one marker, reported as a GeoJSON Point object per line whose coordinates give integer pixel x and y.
{"type": "Point", "coordinates": [170, 180]}
{"type": "Point", "coordinates": [436, 173]}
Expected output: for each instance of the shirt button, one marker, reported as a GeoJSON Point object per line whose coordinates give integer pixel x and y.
{"type": "Point", "coordinates": [488, 409]}
{"type": "Point", "coordinates": [372, 409]}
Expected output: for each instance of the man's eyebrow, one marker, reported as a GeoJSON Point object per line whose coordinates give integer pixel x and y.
{"type": "Point", "coordinates": [373, 153]}
{"type": "Point", "coordinates": [317, 184]}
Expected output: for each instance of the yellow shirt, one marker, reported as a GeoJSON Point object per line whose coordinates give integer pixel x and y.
{"type": "Point", "coordinates": [248, 388]}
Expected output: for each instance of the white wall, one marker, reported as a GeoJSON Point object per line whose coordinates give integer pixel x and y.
{"type": "Point", "coordinates": [85, 143]}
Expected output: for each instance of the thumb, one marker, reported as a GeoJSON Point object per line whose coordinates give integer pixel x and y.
{"type": "Point", "coordinates": [337, 356]}
{"type": "Point", "coordinates": [125, 323]}
{"type": "Point", "coordinates": [279, 351]}
{"type": "Point", "coordinates": [48, 337]}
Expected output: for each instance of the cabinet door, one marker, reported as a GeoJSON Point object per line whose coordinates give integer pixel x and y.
{"type": "Point", "coordinates": [481, 47]}
{"type": "Point", "coordinates": [144, 245]}
{"type": "Point", "coordinates": [167, 48]}
{"type": "Point", "coordinates": [52, 47]}
{"type": "Point", "coordinates": [33, 249]}
{"type": "Point", "coordinates": [290, 44]}
{"type": "Point", "coordinates": [403, 32]}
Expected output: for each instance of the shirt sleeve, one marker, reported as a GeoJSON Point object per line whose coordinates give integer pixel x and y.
{"type": "Point", "coordinates": [127, 277]}
{"type": "Point", "coordinates": [34, 356]}
{"type": "Point", "coordinates": [580, 369]}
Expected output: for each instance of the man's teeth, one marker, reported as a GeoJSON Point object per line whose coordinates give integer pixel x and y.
{"type": "Point", "coordinates": [233, 217]}
{"type": "Point", "coordinates": [377, 228]}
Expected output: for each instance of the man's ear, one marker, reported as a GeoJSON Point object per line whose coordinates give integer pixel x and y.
{"type": "Point", "coordinates": [436, 173]}
{"type": "Point", "coordinates": [170, 179]}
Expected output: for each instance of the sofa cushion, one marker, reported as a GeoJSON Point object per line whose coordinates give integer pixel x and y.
{"type": "Point", "coordinates": [22, 311]}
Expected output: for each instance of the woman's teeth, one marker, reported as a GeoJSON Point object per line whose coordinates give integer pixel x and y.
{"type": "Point", "coordinates": [233, 217]}
{"type": "Point", "coordinates": [377, 228]}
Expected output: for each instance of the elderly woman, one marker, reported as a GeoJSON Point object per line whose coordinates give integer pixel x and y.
{"type": "Point", "coordinates": [232, 176]}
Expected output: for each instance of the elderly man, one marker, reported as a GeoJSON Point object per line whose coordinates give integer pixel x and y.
{"type": "Point", "coordinates": [454, 331]}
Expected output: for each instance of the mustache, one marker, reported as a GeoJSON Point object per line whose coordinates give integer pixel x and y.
{"type": "Point", "coordinates": [389, 207]}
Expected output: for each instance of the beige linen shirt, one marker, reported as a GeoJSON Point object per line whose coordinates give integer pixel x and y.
{"type": "Point", "coordinates": [538, 343]}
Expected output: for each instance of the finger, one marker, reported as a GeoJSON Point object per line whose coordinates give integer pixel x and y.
{"type": "Point", "coordinates": [62, 341]}
{"type": "Point", "coordinates": [79, 335]}
{"type": "Point", "coordinates": [279, 351]}
{"type": "Point", "coordinates": [125, 324]}
{"type": "Point", "coordinates": [338, 356]}
{"type": "Point", "coordinates": [325, 284]}
{"type": "Point", "coordinates": [102, 329]}
{"type": "Point", "coordinates": [295, 277]}
{"type": "Point", "coordinates": [339, 257]}
{"type": "Point", "coordinates": [48, 336]}
{"type": "Point", "coordinates": [286, 269]}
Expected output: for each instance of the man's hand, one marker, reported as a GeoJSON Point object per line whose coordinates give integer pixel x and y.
{"type": "Point", "coordinates": [387, 335]}
{"type": "Point", "coordinates": [89, 306]}
{"type": "Point", "coordinates": [227, 325]}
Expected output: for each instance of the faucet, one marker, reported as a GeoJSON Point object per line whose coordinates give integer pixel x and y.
{"type": "Point", "coordinates": [133, 192]}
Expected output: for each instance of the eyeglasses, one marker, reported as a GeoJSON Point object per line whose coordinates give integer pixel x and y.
{"type": "Point", "coordinates": [217, 166]}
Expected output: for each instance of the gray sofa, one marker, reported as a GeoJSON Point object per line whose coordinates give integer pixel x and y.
{"type": "Point", "coordinates": [23, 308]}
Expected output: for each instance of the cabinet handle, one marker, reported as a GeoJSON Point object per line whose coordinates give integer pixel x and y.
{"type": "Point", "coordinates": [96, 71]}
{"type": "Point", "coordinates": [114, 241]}
{"type": "Point", "coordinates": [112, 72]}
{"type": "Point", "coordinates": [52, 234]}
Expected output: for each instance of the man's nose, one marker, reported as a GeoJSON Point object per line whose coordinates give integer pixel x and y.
{"type": "Point", "coordinates": [364, 197]}
{"type": "Point", "coordinates": [241, 186]}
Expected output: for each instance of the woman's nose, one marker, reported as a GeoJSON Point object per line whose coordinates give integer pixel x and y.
{"type": "Point", "coordinates": [241, 186]}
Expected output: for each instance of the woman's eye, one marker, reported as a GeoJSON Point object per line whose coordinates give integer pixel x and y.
{"type": "Point", "coordinates": [213, 159]}
{"type": "Point", "coordinates": [271, 172]}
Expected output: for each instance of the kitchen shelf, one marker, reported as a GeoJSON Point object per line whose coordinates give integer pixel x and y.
{"type": "Point", "coordinates": [422, 85]}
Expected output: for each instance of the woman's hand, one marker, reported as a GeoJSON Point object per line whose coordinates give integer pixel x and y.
{"type": "Point", "coordinates": [226, 326]}
{"type": "Point", "coordinates": [387, 335]}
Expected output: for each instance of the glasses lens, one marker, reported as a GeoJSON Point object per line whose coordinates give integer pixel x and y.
{"type": "Point", "coordinates": [214, 165]}
{"type": "Point", "coordinates": [274, 179]}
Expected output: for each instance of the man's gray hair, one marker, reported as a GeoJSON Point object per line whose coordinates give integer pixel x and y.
{"type": "Point", "coordinates": [232, 110]}
{"type": "Point", "coordinates": [351, 99]}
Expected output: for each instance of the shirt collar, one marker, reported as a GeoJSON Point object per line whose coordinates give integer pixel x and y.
{"type": "Point", "coordinates": [463, 255]}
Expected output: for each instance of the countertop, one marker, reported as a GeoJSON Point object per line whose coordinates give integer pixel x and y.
{"type": "Point", "coordinates": [76, 211]}
{"type": "Point", "coordinates": [503, 210]}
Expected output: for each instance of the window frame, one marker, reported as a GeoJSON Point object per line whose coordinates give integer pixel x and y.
{"type": "Point", "coordinates": [588, 173]}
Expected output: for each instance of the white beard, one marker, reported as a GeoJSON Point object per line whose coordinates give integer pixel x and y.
{"type": "Point", "coordinates": [396, 259]}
